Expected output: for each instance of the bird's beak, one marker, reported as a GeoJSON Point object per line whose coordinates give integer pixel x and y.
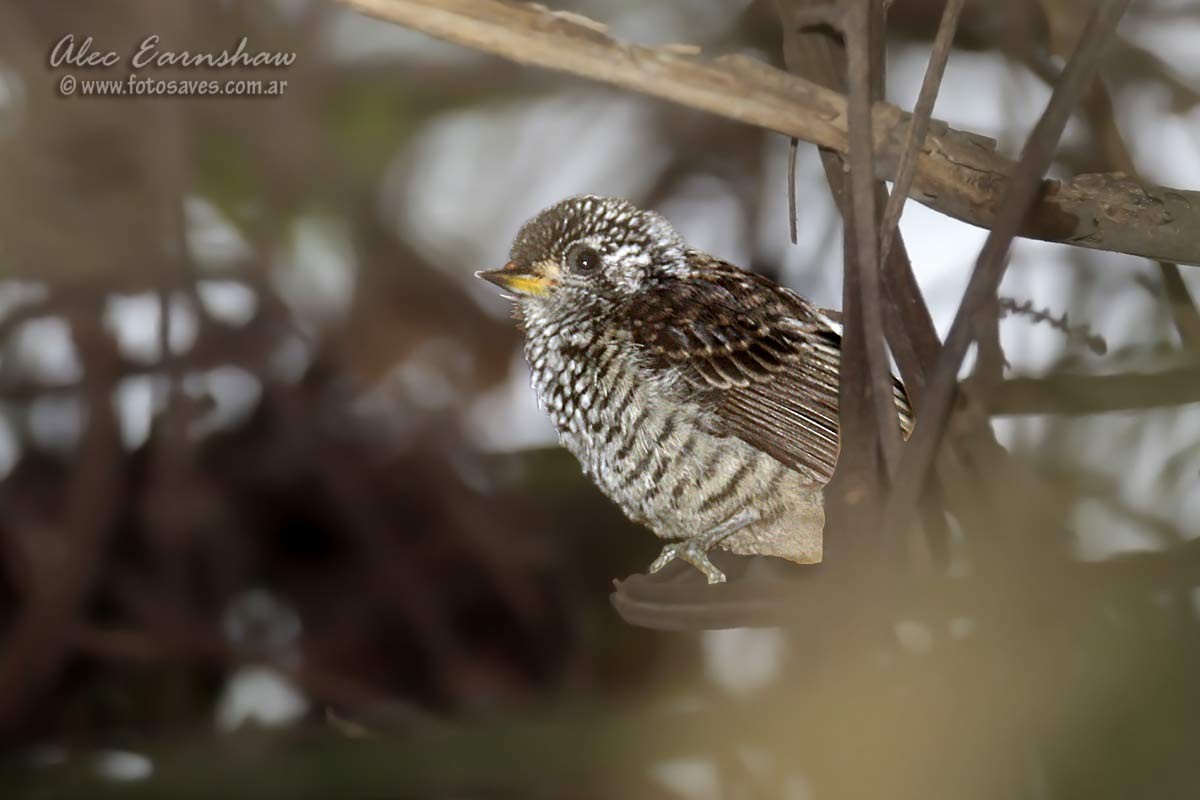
{"type": "Point", "coordinates": [533, 281]}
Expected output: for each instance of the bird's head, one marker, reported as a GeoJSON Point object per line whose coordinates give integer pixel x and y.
{"type": "Point", "coordinates": [587, 254]}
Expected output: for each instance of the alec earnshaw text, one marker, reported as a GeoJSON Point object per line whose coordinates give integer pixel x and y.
{"type": "Point", "coordinates": [147, 53]}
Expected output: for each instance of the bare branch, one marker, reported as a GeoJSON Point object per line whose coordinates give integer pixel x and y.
{"type": "Point", "coordinates": [1092, 394]}
{"type": "Point", "coordinates": [958, 173]}
{"type": "Point", "coordinates": [1183, 306]}
{"type": "Point", "coordinates": [918, 126]}
{"type": "Point", "coordinates": [1018, 204]}
{"type": "Point", "coordinates": [793, 146]}
{"type": "Point", "coordinates": [859, 18]}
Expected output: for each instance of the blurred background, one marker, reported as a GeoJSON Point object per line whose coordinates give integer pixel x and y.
{"type": "Point", "coordinates": [279, 516]}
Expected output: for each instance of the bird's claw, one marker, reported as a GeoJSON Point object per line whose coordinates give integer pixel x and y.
{"type": "Point", "coordinates": [693, 552]}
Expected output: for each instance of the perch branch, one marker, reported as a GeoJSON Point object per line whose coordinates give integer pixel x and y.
{"type": "Point", "coordinates": [958, 173]}
{"type": "Point", "coordinates": [804, 600]}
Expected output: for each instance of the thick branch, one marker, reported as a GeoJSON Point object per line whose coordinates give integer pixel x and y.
{"type": "Point", "coordinates": [958, 173]}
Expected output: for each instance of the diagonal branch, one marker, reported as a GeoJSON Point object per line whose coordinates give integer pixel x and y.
{"type": "Point", "coordinates": [1183, 307]}
{"type": "Point", "coordinates": [918, 126]}
{"type": "Point", "coordinates": [958, 173]}
{"type": "Point", "coordinates": [1019, 201]}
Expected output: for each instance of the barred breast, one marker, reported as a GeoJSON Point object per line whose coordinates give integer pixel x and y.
{"type": "Point", "coordinates": [653, 456]}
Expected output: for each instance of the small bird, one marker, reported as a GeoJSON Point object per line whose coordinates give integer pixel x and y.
{"type": "Point", "coordinates": [701, 398]}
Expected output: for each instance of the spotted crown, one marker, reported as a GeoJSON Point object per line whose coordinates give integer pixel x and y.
{"type": "Point", "coordinates": [616, 228]}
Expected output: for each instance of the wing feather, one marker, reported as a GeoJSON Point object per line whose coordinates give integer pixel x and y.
{"type": "Point", "coordinates": [762, 359]}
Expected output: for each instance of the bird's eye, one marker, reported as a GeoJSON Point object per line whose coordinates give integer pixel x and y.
{"type": "Point", "coordinates": [585, 259]}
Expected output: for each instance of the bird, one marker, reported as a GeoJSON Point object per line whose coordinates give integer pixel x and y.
{"type": "Point", "coordinates": [700, 397]}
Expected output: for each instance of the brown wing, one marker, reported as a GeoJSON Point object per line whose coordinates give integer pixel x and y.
{"type": "Point", "coordinates": [763, 360]}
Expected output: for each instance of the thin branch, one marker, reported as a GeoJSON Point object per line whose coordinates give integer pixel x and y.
{"type": "Point", "coordinates": [1019, 202]}
{"type": "Point", "coordinates": [1093, 394]}
{"type": "Point", "coordinates": [1183, 307]}
{"type": "Point", "coordinates": [858, 21]}
{"type": "Point", "coordinates": [919, 125]}
{"type": "Point", "coordinates": [958, 173]}
{"type": "Point", "coordinates": [793, 146]}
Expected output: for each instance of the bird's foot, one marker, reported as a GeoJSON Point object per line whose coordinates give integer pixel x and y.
{"type": "Point", "coordinates": [693, 552]}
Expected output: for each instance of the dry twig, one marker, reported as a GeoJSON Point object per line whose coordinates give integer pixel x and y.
{"type": "Point", "coordinates": [914, 138]}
